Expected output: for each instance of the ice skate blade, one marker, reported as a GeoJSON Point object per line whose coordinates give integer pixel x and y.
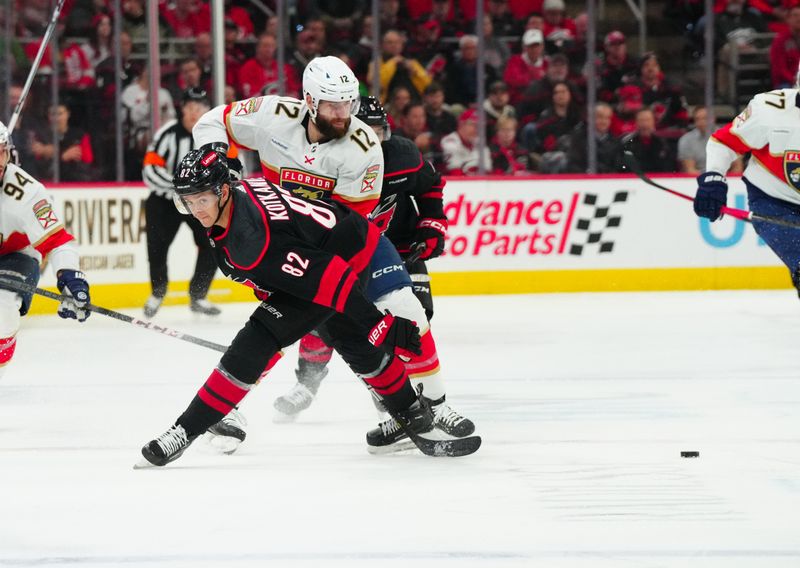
{"type": "Point", "coordinates": [222, 444]}
{"type": "Point", "coordinates": [282, 418]}
{"type": "Point", "coordinates": [143, 464]}
{"type": "Point", "coordinates": [400, 446]}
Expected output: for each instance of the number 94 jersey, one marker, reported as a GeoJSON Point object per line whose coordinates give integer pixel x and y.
{"type": "Point", "coordinates": [347, 169]}
{"type": "Point", "coordinates": [28, 221]}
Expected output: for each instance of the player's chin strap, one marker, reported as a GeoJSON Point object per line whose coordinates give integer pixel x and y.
{"type": "Point", "coordinates": [223, 206]}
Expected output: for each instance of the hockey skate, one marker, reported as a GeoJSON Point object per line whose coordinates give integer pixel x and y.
{"type": "Point", "coordinates": [151, 306]}
{"type": "Point", "coordinates": [290, 405]}
{"type": "Point", "coordinates": [390, 436]}
{"type": "Point", "coordinates": [168, 447]}
{"type": "Point", "coordinates": [228, 433]}
{"type": "Point", "coordinates": [203, 306]}
{"type": "Point", "coordinates": [450, 420]}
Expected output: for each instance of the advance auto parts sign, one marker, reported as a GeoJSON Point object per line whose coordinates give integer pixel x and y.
{"type": "Point", "coordinates": [589, 223]}
{"type": "Point", "coordinates": [530, 224]}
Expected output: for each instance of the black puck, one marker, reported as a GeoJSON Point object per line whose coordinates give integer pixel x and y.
{"type": "Point", "coordinates": [690, 454]}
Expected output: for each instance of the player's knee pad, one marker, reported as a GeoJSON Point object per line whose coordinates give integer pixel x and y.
{"type": "Point", "coordinates": [313, 349]}
{"type": "Point", "coordinates": [405, 304]}
{"type": "Point", "coordinates": [252, 353]}
{"type": "Point", "coordinates": [18, 266]}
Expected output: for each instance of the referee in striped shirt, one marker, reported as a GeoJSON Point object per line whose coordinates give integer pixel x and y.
{"type": "Point", "coordinates": [170, 144]}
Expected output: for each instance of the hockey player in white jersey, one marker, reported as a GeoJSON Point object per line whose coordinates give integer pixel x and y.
{"type": "Point", "coordinates": [317, 149]}
{"type": "Point", "coordinates": [769, 128]}
{"type": "Point", "coordinates": [30, 231]}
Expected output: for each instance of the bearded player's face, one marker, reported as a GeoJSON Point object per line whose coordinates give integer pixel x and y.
{"type": "Point", "coordinates": [333, 118]}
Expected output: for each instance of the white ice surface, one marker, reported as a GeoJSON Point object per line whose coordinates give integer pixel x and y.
{"type": "Point", "coordinates": [584, 403]}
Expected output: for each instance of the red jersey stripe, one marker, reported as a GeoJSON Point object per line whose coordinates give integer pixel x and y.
{"type": "Point", "coordinates": [330, 280]}
{"type": "Point", "coordinates": [55, 240]}
{"type": "Point", "coordinates": [361, 259]}
{"type": "Point", "coordinates": [731, 140]}
{"type": "Point", "coordinates": [344, 293]}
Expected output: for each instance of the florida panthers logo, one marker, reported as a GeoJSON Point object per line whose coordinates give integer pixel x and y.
{"type": "Point", "coordinates": [305, 184]}
{"type": "Point", "coordinates": [383, 213]}
{"type": "Point", "coordinates": [791, 167]}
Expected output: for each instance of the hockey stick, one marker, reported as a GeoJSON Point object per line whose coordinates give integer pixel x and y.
{"type": "Point", "coordinates": [18, 286]}
{"type": "Point", "coordinates": [632, 164]}
{"type": "Point", "coordinates": [35, 67]}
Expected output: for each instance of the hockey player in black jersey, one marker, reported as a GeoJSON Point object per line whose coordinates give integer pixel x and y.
{"type": "Point", "coordinates": [306, 260]}
{"type": "Point", "coordinates": [410, 213]}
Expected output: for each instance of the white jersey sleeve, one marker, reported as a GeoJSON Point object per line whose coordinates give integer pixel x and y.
{"type": "Point", "coordinates": [748, 131]}
{"type": "Point", "coordinates": [242, 122]}
{"type": "Point", "coordinates": [29, 222]}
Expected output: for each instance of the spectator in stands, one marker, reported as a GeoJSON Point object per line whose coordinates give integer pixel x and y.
{"type": "Point", "coordinates": [438, 117]}
{"type": "Point", "coordinates": [784, 54]}
{"type": "Point", "coordinates": [547, 138]}
{"type": "Point", "coordinates": [241, 18]}
{"type": "Point", "coordinates": [414, 128]}
{"type": "Point", "coordinates": [424, 45]}
{"type": "Point", "coordinates": [317, 28]}
{"type": "Point", "coordinates": [204, 51]}
{"type": "Point", "coordinates": [652, 152]}
{"type": "Point", "coordinates": [497, 107]}
{"type": "Point", "coordinates": [134, 21]}
{"type": "Point", "coordinates": [734, 32]}
{"type": "Point", "coordinates": [339, 17]}
{"type": "Point", "coordinates": [187, 18]}
{"type": "Point", "coordinates": [235, 56]}
{"type": "Point", "coordinates": [535, 21]}
{"type": "Point", "coordinates": [609, 148]}
{"type": "Point", "coordinates": [74, 147]}
{"type": "Point", "coordinates": [692, 145]}
{"type": "Point", "coordinates": [261, 71]}
{"type": "Point", "coordinates": [308, 45]}
{"type": "Point", "coordinates": [394, 16]}
{"type": "Point", "coordinates": [189, 75]}
{"type": "Point", "coordinates": [615, 67]}
{"type": "Point", "coordinates": [503, 21]}
{"type": "Point", "coordinates": [399, 99]}
{"type": "Point", "coordinates": [496, 51]}
{"type": "Point", "coordinates": [449, 18]}
{"type": "Point", "coordinates": [136, 106]}
{"type": "Point", "coordinates": [662, 95]}
{"type": "Point", "coordinates": [460, 150]}
{"type": "Point", "coordinates": [629, 99]}
{"type": "Point", "coordinates": [508, 157]}
{"type": "Point", "coordinates": [397, 70]}
{"type": "Point", "coordinates": [81, 17]}
{"type": "Point", "coordinates": [539, 94]}
{"type": "Point", "coordinates": [100, 44]}
{"type": "Point", "coordinates": [526, 67]}
{"type": "Point", "coordinates": [461, 87]}
{"type": "Point", "coordinates": [559, 30]}
{"type": "Point", "coordinates": [576, 49]}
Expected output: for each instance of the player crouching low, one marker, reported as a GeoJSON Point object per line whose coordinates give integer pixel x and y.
{"type": "Point", "coordinates": [29, 232]}
{"type": "Point", "coordinates": [307, 261]}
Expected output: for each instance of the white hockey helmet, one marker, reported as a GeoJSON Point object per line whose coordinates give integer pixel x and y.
{"type": "Point", "coordinates": [330, 79]}
{"type": "Point", "coordinates": [7, 144]}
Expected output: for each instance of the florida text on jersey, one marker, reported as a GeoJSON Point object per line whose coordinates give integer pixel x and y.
{"type": "Point", "coordinates": [769, 128]}
{"type": "Point", "coordinates": [347, 169]}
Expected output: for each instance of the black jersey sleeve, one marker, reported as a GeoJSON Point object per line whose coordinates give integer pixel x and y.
{"type": "Point", "coordinates": [429, 192]}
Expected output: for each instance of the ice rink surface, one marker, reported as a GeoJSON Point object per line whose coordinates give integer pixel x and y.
{"type": "Point", "coordinates": [584, 402]}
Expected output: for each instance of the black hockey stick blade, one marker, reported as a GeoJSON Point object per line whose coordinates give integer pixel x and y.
{"type": "Point", "coordinates": [447, 448]}
{"type": "Point", "coordinates": [18, 286]}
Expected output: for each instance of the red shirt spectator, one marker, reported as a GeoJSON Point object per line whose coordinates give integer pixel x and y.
{"type": "Point", "coordinates": [524, 68]}
{"type": "Point", "coordinates": [261, 71]}
{"type": "Point", "coordinates": [784, 54]}
{"type": "Point", "coordinates": [558, 29]}
{"type": "Point", "coordinates": [188, 18]}
{"type": "Point", "coordinates": [78, 70]}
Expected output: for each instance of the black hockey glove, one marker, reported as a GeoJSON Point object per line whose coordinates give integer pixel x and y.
{"type": "Point", "coordinates": [431, 234]}
{"type": "Point", "coordinates": [398, 335]}
{"type": "Point", "coordinates": [234, 164]}
{"type": "Point", "coordinates": [73, 284]}
{"type": "Point", "coordinates": [712, 194]}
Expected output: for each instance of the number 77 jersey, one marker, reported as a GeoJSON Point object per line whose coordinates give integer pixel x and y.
{"type": "Point", "coordinates": [28, 221]}
{"type": "Point", "coordinates": [769, 128]}
{"type": "Point", "coordinates": [347, 169]}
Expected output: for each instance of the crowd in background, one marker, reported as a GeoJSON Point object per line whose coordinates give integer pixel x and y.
{"type": "Point", "coordinates": [535, 70]}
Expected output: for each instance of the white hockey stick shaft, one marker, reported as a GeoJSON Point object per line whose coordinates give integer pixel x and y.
{"type": "Point", "coordinates": [35, 67]}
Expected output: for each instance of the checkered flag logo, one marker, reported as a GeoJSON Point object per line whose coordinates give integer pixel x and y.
{"type": "Point", "coordinates": [595, 222]}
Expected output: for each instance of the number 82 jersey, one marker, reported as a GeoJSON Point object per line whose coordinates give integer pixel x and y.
{"type": "Point", "coordinates": [347, 169]}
